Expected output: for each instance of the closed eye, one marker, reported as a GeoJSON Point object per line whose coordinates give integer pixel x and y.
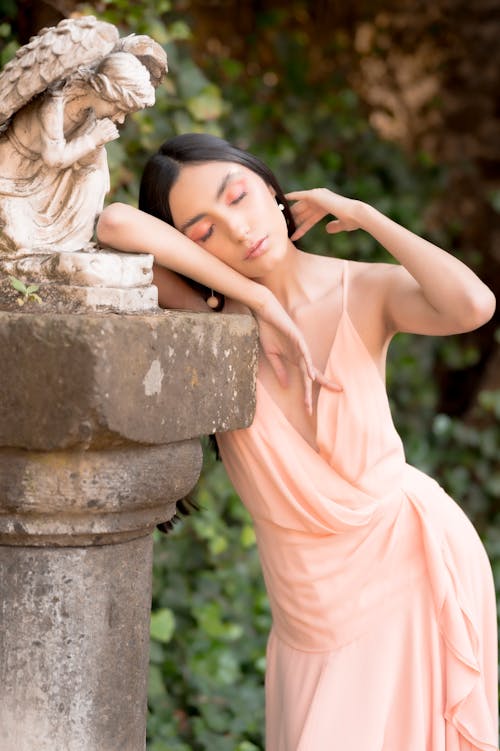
{"type": "Point", "coordinates": [208, 234]}
{"type": "Point", "coordinates": [236, 192]}
{"type": "Point", "coordinates": [238, 198]}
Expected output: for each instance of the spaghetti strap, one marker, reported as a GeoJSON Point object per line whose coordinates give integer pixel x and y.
{"type": "Point", "coordinates": [345, 284]}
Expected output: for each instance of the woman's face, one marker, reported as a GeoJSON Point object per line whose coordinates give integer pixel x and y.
{"type": "Point", "coordinates": [232, 213]}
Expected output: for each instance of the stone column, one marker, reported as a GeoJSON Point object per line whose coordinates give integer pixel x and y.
{"type": "Point", "coordinates": [99, 418]}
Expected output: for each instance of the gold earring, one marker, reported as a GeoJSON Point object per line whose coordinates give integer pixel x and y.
{"type": "Point", "coordinates": [212, 301]}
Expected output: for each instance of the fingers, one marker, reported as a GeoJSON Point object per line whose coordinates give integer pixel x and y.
{"type": "Point", "coordinates": [299, 232]}
{"type": "Point", "coordinates": [334, 226]}
{"type": "Point", "coordinates": [330, 385]}
{"type": "Point", "coordinates": [279, 370]}
{"type": "Point", "coordinates": [304, 224]}
{"type": "Point", "coordinates": [305, 211]}
{"type": "Point", "coordinates": [309, 375]}
{"type": "Point", "coordinates": [306, 364]}
{"type": "Point", "coordinates": [307, 388]}
{"type": "Point", "coordinates": [308, 382]}
{"type": "Point", "coordinates": [296, 195]}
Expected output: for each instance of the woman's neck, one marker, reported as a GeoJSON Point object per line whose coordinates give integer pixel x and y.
{"type": "Point", "coordinates": [287, 280]}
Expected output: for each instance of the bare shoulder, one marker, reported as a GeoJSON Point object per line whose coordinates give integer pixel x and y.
{"type": "Point", "coordinates": [368, 287]}
{"type": "Point", "coordinates": [373, 272]}
{"type": "Point", "coordinates": [372, 280]}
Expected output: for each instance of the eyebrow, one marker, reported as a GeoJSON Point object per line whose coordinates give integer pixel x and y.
{"type": "Point", "coordinates": [220, 191]}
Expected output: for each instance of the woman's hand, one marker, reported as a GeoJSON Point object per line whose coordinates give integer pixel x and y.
{"type": "Point", "coordinates": [281, 339]}
{"type": "Point", "coordinates": [312, 205]}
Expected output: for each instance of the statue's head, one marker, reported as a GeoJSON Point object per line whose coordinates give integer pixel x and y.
{"type": "Point", "coordinates": [122, 79]}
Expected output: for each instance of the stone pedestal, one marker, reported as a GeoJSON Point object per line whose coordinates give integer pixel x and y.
{"type": "Point", "coordinates": [87, 280]}
{"type": "Point", "coordinates": [99, 419]}
{"type": "Point", "coordinates": [74, 645]}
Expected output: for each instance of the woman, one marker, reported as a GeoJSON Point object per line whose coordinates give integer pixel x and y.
{"type": "Point", "coordinates": [384, 629]}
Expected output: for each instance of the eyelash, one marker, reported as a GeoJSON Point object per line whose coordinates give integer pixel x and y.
{"type": "Point", "coordinates": [209, 232]}
{"type": "Point", "coordinates": [238, 198]}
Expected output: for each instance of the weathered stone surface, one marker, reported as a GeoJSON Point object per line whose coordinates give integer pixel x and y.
{"type": "Point", "coordinates": [91, 267]}
{"type": "Point", "coordinates": [101, 381]}
{"type": "Point", "coordinates": [89, 281]}
{"type": "Point", "coordinates": [92, 497]}
{"type": "Point", "coordinates": [74, 643]}
{"type": "Point", "coordinates": [61, 298]}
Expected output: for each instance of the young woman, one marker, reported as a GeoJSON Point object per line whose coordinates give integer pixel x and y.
{"type": "Point", "coordinates": [384, 628]}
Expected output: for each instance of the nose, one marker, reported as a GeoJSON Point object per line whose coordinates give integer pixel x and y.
{"type": "Point", "coordinates": [239, 228]}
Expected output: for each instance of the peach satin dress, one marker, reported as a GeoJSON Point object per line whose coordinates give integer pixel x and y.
{"type": "Point", "coordinates": [384, 623]}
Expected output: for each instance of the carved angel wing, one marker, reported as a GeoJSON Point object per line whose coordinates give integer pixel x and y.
{"type": "Point", "coordinates": [148, 52]}
{"type": "Point", "coordinates": [52, 55]}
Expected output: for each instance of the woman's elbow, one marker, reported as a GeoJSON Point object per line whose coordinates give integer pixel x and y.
{"type": "Point", "coordinates": [111, 223]}
{"type": "Point", "coordinates": [479, 309]}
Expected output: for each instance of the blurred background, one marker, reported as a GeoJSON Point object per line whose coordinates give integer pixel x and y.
{"type": "Point", "coordinates": [393, 103]}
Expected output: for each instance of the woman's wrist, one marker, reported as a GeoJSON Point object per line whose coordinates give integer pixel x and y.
{"type": "Point", "coordinates": [260, 298]}
{"type": "Point", "coordinates": [364, 215]}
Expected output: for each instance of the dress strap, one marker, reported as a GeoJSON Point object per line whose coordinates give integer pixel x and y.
{"type": "Point", "coordinates": [345, 283]}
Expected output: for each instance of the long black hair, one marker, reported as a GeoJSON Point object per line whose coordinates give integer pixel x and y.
{"type": "Point", "coordinates": [163, 168]}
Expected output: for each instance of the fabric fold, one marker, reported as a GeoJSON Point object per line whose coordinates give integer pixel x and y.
{"type": "Point", "coordinates": [467, 706]}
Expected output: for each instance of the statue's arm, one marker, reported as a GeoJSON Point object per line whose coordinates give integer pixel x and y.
{"type": "Point", "coordinates": [60, 153]}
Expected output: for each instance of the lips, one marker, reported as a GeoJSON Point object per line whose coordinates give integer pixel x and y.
{"type": "Point", "coordinates": [257, 249]}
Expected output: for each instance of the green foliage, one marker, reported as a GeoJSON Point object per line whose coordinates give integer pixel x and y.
{"type": "Point", "coordinates": [8, 43]}
{"type": "Point", "coordinates": [205, 688]}
{"type": "Point", "coordinates": [26, 293]}
{"type": "Point", "coordinates": [162, 625]}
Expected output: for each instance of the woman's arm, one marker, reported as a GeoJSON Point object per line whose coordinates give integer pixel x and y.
{"type": "Point", "coordinates": [128, 229]}
{"type": "Point", "coordinates": [432, 292]}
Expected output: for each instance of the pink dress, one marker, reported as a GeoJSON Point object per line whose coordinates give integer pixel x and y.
{"type": "Point", "coordinates": [384, 623]}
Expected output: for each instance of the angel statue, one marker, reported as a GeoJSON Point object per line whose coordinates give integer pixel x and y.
{"type": "Point", "coordinates": [61, 99]}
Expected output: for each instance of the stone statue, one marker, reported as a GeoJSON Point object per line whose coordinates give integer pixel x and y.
{"type": "Point", "coordinates": [61, 99]}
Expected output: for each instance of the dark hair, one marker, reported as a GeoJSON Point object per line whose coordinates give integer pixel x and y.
{"type": "Point", "coordinates": [163, 168]}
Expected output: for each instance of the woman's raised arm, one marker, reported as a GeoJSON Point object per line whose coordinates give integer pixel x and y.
{"type": "Point", "coordinates": [432, 292]}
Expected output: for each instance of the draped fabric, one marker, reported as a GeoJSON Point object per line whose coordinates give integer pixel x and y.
{"type": "Point", "coordinates": [382, 597]}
